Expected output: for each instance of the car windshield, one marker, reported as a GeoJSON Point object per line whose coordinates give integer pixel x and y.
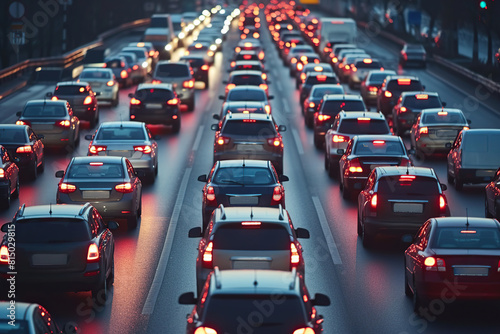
{"type": "Point", "coordinates": [333, 107]}
{"type": "Point", "coordinates": [44, 110]}
{"type": "Point", "coordinates": [95, 75]}
{"type": "Point", "coordinates": [406, 186]}
{"type": "Point", "coordinates": [251, 80]}
{"type": "Point", "coordinates": [8, 136]}
{"type": "Point", "coordinates": [154, 94]}
{"type": "Point", "coordinates": [95, 170]}
{"type": "Point", "coordinates": [158, 22]}
{"type": "Point", "coordinates": [243, 176]}
{"type": "Point", "coordinates": [444, 118]}
{"type": "Point", "coordinates": [71, 90]}
{"type": "Point", "coordinates": [121, 133]}
{"type": "Point", "coordinates": [253, 237]}
{"type": "Point", "coordinates": [246, 95]}
{"type": "Point", "coordinates": [249, 127]}
{"type": "Point", "coordinates": [319, 92]}
{"type": "Point", "coordinates": [422, 101]}
{"type": "Point", "coordinates": [51, 230]}
{"type": "Point", "coordinates": [245, 110]}
{"type": "Point", "coordinates": [364, 126]}
{"type": "Point", "coordinates": [224, 313]}
{"type": "Point", "coordinates": [467, 238]}
{"type": "Point", "coordinates": [379, 147]}
{"type": "Point", "coordinates": [172, 70]}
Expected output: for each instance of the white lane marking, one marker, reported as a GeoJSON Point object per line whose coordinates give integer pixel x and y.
{"type": "Point", "coordinates": [198, 138]}
{"type": "Point", "coordinates": [150, 303]}
{"type": "Point", "coordinates": [298, 143]}
{"type": "Point", "coordinates": [278, 86]}
{"type": "Point", "coordinates": [332, 246]}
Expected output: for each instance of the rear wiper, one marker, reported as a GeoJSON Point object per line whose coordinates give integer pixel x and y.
{"type": "Point", "coordinates": [231, 182]}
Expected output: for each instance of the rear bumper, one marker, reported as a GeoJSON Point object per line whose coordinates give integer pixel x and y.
{"type": "Point", "coordinates": [57, 140]}
{"type": "Point", "coordinates": [375, 226]}
{"type": "Point", "coordinates": [470, 175]}
{"type": "Point", "coordinates": [355, 183]}
{"type": "Point", "coordinates": [85, 113]}
{"type": "Point", "coordinates": [122, 209]}
{"type": "Point", "coordinates": [150, 117]}
{"type": "Point", "coordinates": [449, 289]}
{"type": "Point", "coordinates": [430, 146]}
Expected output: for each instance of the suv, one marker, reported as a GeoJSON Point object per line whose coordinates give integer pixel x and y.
{"type": "Point", "coordinates": [179, 75]}
{"type": "Point", "coordinates": [398, 200]}
{"type": "Point", "coordinates": [248, 238]}
{"type": "Point", "coordinates": [312, 103]}
{"type": "Point", "coordinates": [249, 136]}
{"type": "Point", "coordinates": [345, 125]}
{"type": "Point", "coordinates": [230, 297]}
{"type": "Point", "coordinates": [331, 106]}
{"type": "Point", "coordinates": [371, 84]}
{"type": "Point", "coordinates": [102, 81]}
{"type": "Point", "coordinates": [360, 69]}
{"type": "Point", "coordinates": [241, 183]}
{"type": "Point", "coordinates": [391, 89]}
{"type": "Point", "coordinates": [316, 78]}
{"type": "Point", "coordinates": [66, 247]}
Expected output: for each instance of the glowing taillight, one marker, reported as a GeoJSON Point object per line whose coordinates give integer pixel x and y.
{"type": "Point", "coordinates": [263, 86]}
{"type": "Point", "coordinates": [4, 254]}
{"type": "Point", "coordinates": [388, 94]}
{"type": "Point", "coordinates": [374, 201]}
{"type": "Point", "coordinates": [123, 74]}
{"type": "Point", "coordinates": [151, 53]}
{"type": "Point", "coordinates": [93, 253]}
{"type": "Point", "coordinates": [156, 82]}
{"type": "Point", "coordinates": [94, 149]}
{"type": "Point", "coordinates": [335, 60]}
{"type": "Point", "coordinates": [403, 109]}
{"type": "Point", "coordinates": [2, 173]}
{"type": "Point", "coordinates": [312, 105]}
{"type": "Point", "coordinates": [372, 89]}
{"type": "Point", "coordinates": [205, 67]}
{"type": "Point", "coordinates": [465, 128]}
{"type": "Point", "coordinates": [277, 194]}
{"type": "Point", "coordinates": [222, 140]}
{"type": "Point", "coordinates": [210, 53]}
{"type": "Point", "coordinates": [233, 64]}
{"type": "Point", "coordinates": [293, 60]}
{"type": "Point", "coordinates": [261, 55]}
{"type": "Point", "coordinates": [135, 101]}
{"type": "Point", "coordinates": [274, 142]}
{"type": "Point", "coordinates": [124, 187]}
{"type": "Point", "coordinates": [307, 330]}
{"type": "Point", "coordinates": [135, 68]}
{"type": "Point", "coordinates": [354, 68]}
{"type": "Point", "coordinates": [498, 270]}
{"type": "Point", "coordinates": [208, 255]}
{"type": "Point", "coordinates": [24, 149]}
{"type": "Point", "coordinates": [355, 166]}
{"type": "Point", "coordinates": [173, 102]}
{"type": "Point", "coordinates": [67, 188]}
{"type": "Point", "coordinates": [264, 76]}
{"type": "Point", "coordinates": [54, 98]}
{"type": "Point", "coordinates": [267, 108]}
{"type": "Point", "coordinates": [146, 149]}
{"type": "Point", "coordinates": [88, 100]}
{"type": "Point", "coordinates": [347, 67]}
{"type": "Point", "coordinates": [302, 77]}
{"type": "Point", "coordinates": [434, 264]}
{"type": "Point", "coordinates": [64, 123]}
{"type": "Point", "coordinates": [322, 117]}
{"type": "Point", "coordinates": [110, 83]}
{"type": "Point", "coordinates": [21, 123]}
{"type": "Point", "coordinates": [294, 254]}
{"type": "Point", "coordinates": [230, 86]}
{"type": "Point", "coordinates": [188, 83]}
{"type": "Point", "coordinates": [205, 330]}
{"type": "Point", "coordinates": [237, 49]}
{"type": "Point", "coordinates": [340, 139]}
{"type": "Point", "coordinates": [210, 194]}
{"type": "Point", "coordinates": [442, 202]}
{"type": "Point", "coordinates": [424, 130]}
{"type": "Point", "coordinates": [300, 66]}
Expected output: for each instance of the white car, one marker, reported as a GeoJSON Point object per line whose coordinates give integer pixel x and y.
{"type": "Point", "coordinates": [103, 82]}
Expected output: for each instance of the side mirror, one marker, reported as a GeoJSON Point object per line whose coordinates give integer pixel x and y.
{"type": "Point", "coordinates": [40, 136]}
{"type": "Point", "coordinates": [225, 82]}
{"type": "Point", "coordinates": [321, 300]}
{"type": "Point", "coordinates": [412, 151]}
{"type": "Point", "coordinates": [222, 97]}
{"type": "Point", "coordinates": [131, 95]}
{"type": "Point", "coordinates": [340, 151]}
{"type": "Point", "coordinates": [270, 97]}
{"type": "Point", "coordinates": [302, 233]}
{"type": "Point", "coordinates": [180, 96]}
{"type": "Point", "coordinates": [469, 121]}
{"type": "Point", "coordinates": [112, 225]}
{"type": "Point", "coordinates": [89, 137]}
{"type": "Point", "coordinates": [5, 227]}
{"type": "Point", "coordinates": [448, 145]}
{"type": "Point", "coordinates": [195, 232]}
{"type": "Point", "coordinates": [216, 116]}
{"type": "Point", "coordinates": [19, 113]}
{"type": "Point", "coordinates": [281, 128]}
{"type": "Point", "coordinates": [60, 173]}
{"type": "Point", "coordinates": [49, 94]}
{"type": "Point", "coordinates": [203, 178]}
{"type": "Point", "coordinates": [187, 298]}
{"type": "Point", "coordinates": [444, 187]}
{"type": "Point", "coordinates": [443, 104]}
{"type": "Point", "coordinates": [284, 178]}
{"type": "Point", "coordinates": [214, 127]}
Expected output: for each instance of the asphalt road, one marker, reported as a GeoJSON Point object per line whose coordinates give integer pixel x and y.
{"type": "Point", "coordinates": [156, 263]}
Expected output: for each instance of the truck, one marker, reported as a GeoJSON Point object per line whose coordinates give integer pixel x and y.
{"type": "Point", "coordinates": [336, 30]}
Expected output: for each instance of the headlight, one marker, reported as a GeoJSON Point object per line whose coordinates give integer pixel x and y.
{"type": "Point", "coordinates": [222, 11]}
{"type": "Point", "coordinates": [145, 64]}
{"type": "Point", "coordinates": [197, 22]}
{"type": "Point", "coordinates": [218, 41]}
{"type": "Point", "coordinates": [168, 47]}
{"type": "Point", "coordinates": [213, 47]}
{"type": "Point", "coordinates": [182, 35]}
{"type": "Point", "coordinates": [206, 12]}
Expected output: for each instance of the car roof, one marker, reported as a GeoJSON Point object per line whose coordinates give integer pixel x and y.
{"type": "Point", "coordinates": [245, 72]}
{"type": "Point", "coordinates": [462, 221]}
{"type": "Point", "coordinates": [192, 56]}
{"type": "Point", "coordinates": [485, 131]}
{"type": "Point", "coordinates": [238, 214]}
{"type": "Point", "coordinates": [389, 72]}
{"type": "Point", "coordinates": [248, 87]}
{"type": "Point", "coordinates": [405, 94]}
{"type": "Point", "coordinates": [379, 137]}
{"type": "Point", "coordinates": [401, 170]}
{"type": "Point", "coordinates": [396, 77]}
{"type": "Point", "coordinates": [170, 62]}
{"type": "Point", "coordinates": [128, 124]}
{"type": "Point", "coordinates": [155, 86]}
{"type": "Point", "coordinates": [106, 159]}
{"type": "Point", "coordinates": [366, 114]}
{"type": "Point", "coordinates": [73, 83]}
{"type": "Point", "coordinates": [242, 116]}
{"type": "Point", "coordinates": [342, 97]}
{"type": "Point", "coordinates": [243, 104]}
{"type": "Point", "coordinates": [97, 69]}
{"type": "Point", "coordinates": [48, 101]}
{"type": "Point", "coordinates": [243, 162]}
{"type": "Point", "coordinates": [51, 210]}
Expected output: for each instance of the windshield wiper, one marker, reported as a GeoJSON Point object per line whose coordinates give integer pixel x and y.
{"type": "Point", "coordinates": [231, 182]}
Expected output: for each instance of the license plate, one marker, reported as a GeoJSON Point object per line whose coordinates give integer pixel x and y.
{"type": "Point", "coordinates": [96, 84]}
{"type": "Point", "coordinates": [408, 207]}
{"type": "Point", "coordinates": [49, 259]}
{"type": "Point", "coordinates": [470, 271]}
{"type": "Point", "coordinates": [154, 105]}
{"type": "Point", "coordinates": [120, 153]}
{"type": "Point", "coordinates": [95, 194]}
{"type": "Point", "coordinates": [446, 133]}
{"type": "Point", "coordinates": [485, 173]}
{"type": "Point", "coordinates": [244, 200]}
{"type": "Point", "coordinates": [251, 265]}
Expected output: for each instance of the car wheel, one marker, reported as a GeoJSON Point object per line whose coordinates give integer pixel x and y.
{"type": "Point", "coordinates": [366, 238]}
{"type": "Point", "coordinates": [459, 184]}
{"type": "Point", "coordinates": [176, 127]}
{"type": "Point", "coordinates": [333, 171]}
{"type": "Point", "coordinates": [34, 170]}
{"type": "Point", "coordinates": [360, 228]}
{"type": "Point", "coordinates": [15, 194]}
{"type": "Point", "coordinates": [156, 168]}
{"type": "Point", "coordinates": [116, 100]}
{"type": "Point", "coordinates": [139, 209]}
{"type": "Point", "coordinates": [346, 192]}
{"type": "Point", "coordinates": [417, 302]}
{"type": "Point", "coordinates": [132, 222]}
{"type": "Point", "coordinates": [318, 143]}
{"type": "Point", "coordinates": [408, 291]}
{"type": "Point", "coordinates": [327, 163]}
{"type": "Point", "coordinates": [206, 84]}
{"type": "Point", "coordinates": [449, 177]}
{"type": "Point", "coordinates": [6, 200]}
{"type": "Point", "coordinates": [190, 105]}
{"type": "Point", "coordinates": [100, 292]}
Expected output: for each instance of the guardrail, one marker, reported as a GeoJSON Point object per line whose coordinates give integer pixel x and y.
{"type": "Point", "coordinates": [21, 69]}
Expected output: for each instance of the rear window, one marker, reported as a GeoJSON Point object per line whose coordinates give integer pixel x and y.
{"type": "Point", "coordinates": [422, 101]}
{"type": "Point", "coordinates": [404, 85]}
{"type": "Point", "coordinates": [321, 79]}
{"type": "Point", "coordinates": [158, 22]}
{"type": "Point", "coordinates": [13, 136]}
{"type": "Point", "coordinates": [443, 118]}
{"type": "Point", "coordinates": [95, 170]}
{"type": "Point", "coordinates": [467, 238]}
{"type": "Point", "coordinates": [368, 64]}
{"type": "Point", "coordinates": [245, 110]}
{"type": "Point", "coordinates": [172, 70]}
{"type": "Point", "coordinates": [71, 90]}
{"type": "Point", "coordinates": [246, 57]}
{"type": "Point", "coordinates": [51, 230]}
{"type": "Point", "coordinates": [245, 95]}
{"type": "Point", "coordinates": [121, 134]}
{"type": "Point", "coordinates": [483, 142]}
{"type": "Point", "coordinates": [252, 237]}
{"type": "Point", "coordinates": [154, 94]}
{"type": "Point", "coordinates": [379, 147]}
{"type": "Point", "coordinates": [252, 80]}
{"type": "Point", "coordinates": [243, 176]}
{"type": "Point", "coordinates": [249, 127]}
{"type": "Point", "coordinates": [195, 62]}
{"type": "Point", "coordinates": [319, 91]}
{"type": "Point", "coordinates": [406, 186]}
{"type": "Point", "coordinates": [114, 64]}
{"type": "Point", "coordinates": [364, 126]}
{"type": "Point", "coordinates": [95, 75]}
{"type": "Point", "coordinates": [333, 107]}
{"type": "Point", "coordinates": [44, 111]}
{"type": "Point", "coordinates": [377, 78]}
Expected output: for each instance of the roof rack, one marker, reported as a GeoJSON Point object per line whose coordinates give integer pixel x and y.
{"type": "Point", "coordinates": [223, 212]}
{"type": "Point", "coordinates": [84, 207]}
{"type": "Point", "coordinates": [218, 283]}
{"type": "Point", "coordinates": [294, 276]}
{"type": "Point", "coordinates": [281, 215]}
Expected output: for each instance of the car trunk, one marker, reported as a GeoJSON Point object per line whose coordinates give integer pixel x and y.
{"type": "Point", "coordinates": [444, 132]}
{"type": "Point", "coordinates": [246, 195]}
{"type": "Point", "coordinates": [370, 162]}
{"type": "Point", "coordinates": [46, 125]}
{"type": "Point", "coordinates": [95, 190]}
{"type": "Point", "coordinates": [121, 149]}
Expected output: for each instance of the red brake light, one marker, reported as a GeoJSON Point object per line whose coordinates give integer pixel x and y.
{"type": "Point", "coordinates": [252, 223]}
{"type": "Point", "coordinates": [267, 108]}
{"type": "Point", "coordinates": [67, 188]}
{"type": "Point", "coordinates": [93, 253]}
{"type": "Point", "coordinates": [156, 81]}
{"type": "Point", "coordinates": [24, 149]}
{"type": "Point", "coordinates": [422, 96]}
{"type": "Point", "coordinates": [378, 142]}
{"type": "Point", "coordinates": [274, 141]}
{"type": "Point", "coordinates": [110, 83]}
{"type": "Point", "coordinates": [123, 74]}
{"type": "Point", "coordinates": [300, 66]}
{"type": "Point", "coordinates": [294, 255]}
{"type": "Point", "coordinates": [205, 67]}
{"type": "Point", "coordinates": [146, 149]}
{"type": "Point", "coordinates": [355, 166]}
{"type": "Point", "coordinates": [293, 60]}
{"type": "Point", "coordinates": [306, 330]}
{"type": "Point", "coordinates": [277, 194]}
{"type": "Point", "coordinates": [340, 139]}
{"type": "Point", "coordinates": [4, 254]}
{"type": "Point", "coordinates": [151, 53]}
{"type": "Point", "coordinates": [188, 83]}
{"type": "Point", "coordinates": [96, 164]}
{"type": "Point", "coordinates": [247, 57]}
{"type": "Point", "coordinates": [94, 149]}
{"type": "Point", "coordinates": [263, 86]}
{"type": "Point", "coordinates": [434, 264]}
{"type": "Point", "coordinates": [423, 130]}
{"type": "Point", "coordinates": [442, 113]}
{"type": "Point", "coordinates": [208, 255]}
{"type": "Point", "coordinates": [354, 68]}
{"type": "Point", "coordinates": [403, 109]}
{"type": "Point", "coordinates": [374, 201]}
{"type": "Point", "coordinates": [230, 86]}
{"type": "Point", "coordinates": [64, 123]}
{"type": "Point", "coordinates": [347, 67]}
{"type": "Point", "coordinates": [322, 117]}
{"type": "Point", "coordinates": [2, 173]}
{"type": "Point", "coordinates": [364, 119]}
{"type": "Point", "coordinates": [124, 187]}
{"type": "Point", "coordinates": [442, 202]}
{"type": "Point", "coordinates": [302, 77]}
{"type": "Point", "coordinates": [135, 101]}
{"type": "Point", "coordinates": [388, 94]}
{"type": "Point", "coordinates": [404, 82]}
{"type": "Point", "coordinates": [22, 123]}
{"type": "Point", "coordinates": [321, 77]}
{"type": "Point", "coordinates": [312, 105]}
{"type": "Point", "coordinates": [367, 61]}
{"type": "Point", "coordinates": [88, 100]}
{"type": "Point", "coordinates": [222, 140]}
{"type": "Point", "coordinates": [210, 194]}
{"type": "Point", "coordinates": [205, 330]}
{"type": "Point", "coordinates": [54, 98]}
{"type": "Point", "coordinates": [135, 68]}
{"type": "Point", "coordinates": [173, 101]}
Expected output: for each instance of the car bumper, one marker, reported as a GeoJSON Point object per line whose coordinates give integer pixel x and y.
{"type": "Point", "coordinates": [406, 120]}
{"type": "Point", "coordinates": [57, 140]}
{"type": "Point", "coordinates": [85, 113]}
{"type": "Point", "coordinates": [448, 289]}
{"type": "Point", "coordinates": [106, 95]}
{"type": "Point", "coordinates": [473, 175]}
{"type": "Point", "coordinates": [145, 164]}
{"type": "Point", "coordinates": [355, 183]}
{"type": "Point", "coordinates": [375, 226]}
{"type": "Point", "coordinates": [430, 146]}
{"type": "Point", "coordinates": [122, 209]}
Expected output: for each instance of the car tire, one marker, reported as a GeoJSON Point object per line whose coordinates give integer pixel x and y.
{"type": "Point", "coordinates": [417, 302]}
{"type": "Point", "coordinates": [366, 238]}
{"type": "Point", "coordinates": [318, 143]}
{"type": "Point", "coordinates": [449, 177]}
{"type": "Point", "coordinates": [6, 201]}
{"type": "Point", "coordinates": [34, 171]}
{"type": "Point", "coordinates": [333, 171]}
{"type": "Point", "coordinates": [346, 192]}
{"type": "Point", "coordinates": [408, 291]}
{"type": "Point", "coordinates": [459, 184]}
{"type": "Point", "coordinates": [132, 222]}
{"type": "Point", "coordinates": [359, 227]}
{"type": "Point", "coordinates": [100, 292]}
{"type": "Point", "coordinates": [176, 127]}
{"type": "Point", "coordinates": [116, 100]}
{"type": "Point", "coordinates": [15, 194]}
{"type": "Point", "coordinates": [190, 104]}
{"type": "Point", "coordinates": [111, 277]}
{"type": "Point", "coordinates": [207, 86]}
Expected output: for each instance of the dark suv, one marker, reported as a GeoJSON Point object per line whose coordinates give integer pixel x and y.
{"type": "Point", "coordinates": [65, 247]}
{"type": "Point", "coordinates": [398, 200]}
{"type": "Point", "coordinates": [249, 136]}
{"type": "Point", "coordinates": [316, 78]}
{"type": "Point", "coordinates": [392, 88]}
{"type": "Point", "coordinates": [179, 75]}
{"type": "Point", "coordinates": [229, 298]}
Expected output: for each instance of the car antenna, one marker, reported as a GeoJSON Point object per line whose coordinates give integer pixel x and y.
{"type": "Point", "coordinates": [255, 283]}
{"type": "Point", "coordinates": [50, 208]}
{"type": "Point", "coordinates": [408, 168]}
{"type": "Point", "coordinates": [251, 212]}
{"type": "Point", "coordinates": [467, 218]}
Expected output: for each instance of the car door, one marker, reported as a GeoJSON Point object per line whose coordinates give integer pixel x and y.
{"type": "Point", "coordinates": [416, 255]}
{"type": "Point", "coordinates": [454, 155]}
{"type": "Point", "coordinates": [105, 237]}
{"type": "Point", "coordinates": [37, 145]}
{"type": "Point", "coordinates": [10, 169]}
{"type": "Point", "coordinates": [344, 159]}
{"type": "Point", "coordinates": [136, 183]}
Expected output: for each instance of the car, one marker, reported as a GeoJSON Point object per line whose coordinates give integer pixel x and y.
{"type": "Point", "coordinates": [9, 178]}
{"type": "Point", "coordinates": [110, 183]}
{"type": "Point", "coordinates": [371, 84]}
{"type": "Point", "coordinates": [330, 107]}
{"type": "Point", "coordinates": [391, 90]}
{"type": "Point", "coordinates": [246, 65]}
{"type": "Point", "coordinates": [296, 52]}
{"type": "Point", "coordinates": [121, 70]}
{"type": "Point", "coordinates": [103, 82]}
{"type": "Point", "coordinates": [398, 200]}
{"type": "Point", "coordinates": [249, 136]}
{"type": "Point", "coordinates": [435, 130]}
{"type": "Point", "coordinates": [333, 56]}
{"type": "Point", "coordinates": [243, 107]}
{"type": "Point", "coordinates": [364, 153]}
{"type": "Point", "coordinates": [316, 78]}
{"type": "Point", "coordinates": [229, 295]}
{"type": "Point", "coordinates": [492, 197]}
{"type": "Point", "coordinates": [72, 238]}
{"type": "Point", "coordinates": [25, 148]}
{"type": "Point", "coordinates": [412, 53]}
{"type": "Point", "coordinates": [131, 140]}
{"type": "Point", "coordinates": [137, 73]}
{"type": "Point", "coordinates": [346, 125]}
{"type": "Point", "coordinates": [200, 68]}
{"type": "Point", "coordinates": [54, 120]}
{"type": "Point", "coordinates": [312, 103]}
{"type": "Point", "coordinates": [81, 97]}
{"type": "Point", "coordinates": [474, 157]}
{"type": "Point", "coordinates": [345, 68]}
{"type": "Point", "coordinates": [246, 78]}
{"type": "Point", "coordinates": [290, 42]}
{"type": "Point", "coordinates": [322, 68]}
{"type": "Point", "coordinates": [247, 55]}
{"type": "Point", "coordinates": [30, 319]}
{"type": "Point", "coordinates": [305, 58]}
{"type": "Point", "coordinates": [453, 249]}
{"type": "Point", "coordinates": [179, 75]}
{"type": "Point", "coordinates": [205, 49]}
{"type": "Point", "coordinates": [409, 106]}
{"type": "Point", "coordinates": [248, 238]}
{"type": "Point", "coordinates": [153, 54]}
{"type": "Point", "coordinates": [156, 104]}
{"type": "Point", "coordinates": [247, 93]}
{"type": "Point", "coordinates": [250, 32]}
{"type": "Point", "coordinates": [360, 69]}
{"type": "Point", "coordinates": [241, 183]}
{"type": "Point", "coordinates": [142, 55]}
{"type": "Point", "coordinates": [250, 44]}
{"type": "Point", "coordinates": [339, 64]}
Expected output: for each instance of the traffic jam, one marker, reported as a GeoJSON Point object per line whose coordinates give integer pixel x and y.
{"type": "Point", "coordinates": [378, 132]}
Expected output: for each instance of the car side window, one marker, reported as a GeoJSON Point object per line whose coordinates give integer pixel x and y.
{"type": "Point", "coordinates": [349, 148]}
{"type": "Point", "coordinates": [149, 133]}
{"type": "Point", "coordinates": [423, 236]}
{"type": "Point", "coordinates": [371, 181]}
{"type": "Point", "coordinates": [5, 155]}
{"type": "Point", "coordinates": [335, 125]}
{"type": "Point", "coordinates": [458, 141]}
{"type": "Point", "coordinates": [32, 136]}
{"type": "Point", "coordinates": [130, 169]}
{"type": "Point", "coordinates": [98, 220]}
{"type": "Point", "coordinates": [93, 225]}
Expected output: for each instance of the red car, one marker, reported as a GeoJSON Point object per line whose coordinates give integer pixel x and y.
{"type": "Point", "coordinates": [454, 257]}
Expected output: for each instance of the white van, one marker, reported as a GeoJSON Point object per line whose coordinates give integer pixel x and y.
{"type": "Point", "coordinates": [338, 30]}
{"type": "Point", "coordinates": [161, 33]}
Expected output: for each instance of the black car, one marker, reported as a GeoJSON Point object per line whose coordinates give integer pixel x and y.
{"type": "Point", "coordinates": [246, 65]}
{"type": "Point", "coordinates": [371, 84]}
{"type": "Point", "coordinates": [312, 103]}
{"type": "Point", "coordinates": [25, 147]}
{"type": "Point", "coordinates": [121, 70]}
{"type": "Point", "coordinates": [398, 200]}
{"type": "Point", "coordinates": [241, 183]}
{"type": "Point", "coordinates": [316, 78]}
{"type": "Point", "coordinates": [156, 104]}
{"type": "Point", "coordinates": [200, 68]}
{"type": "Point", "coordinates": [413, 53]}
{"type": "Point", "coordinates": [9, 178]}
{"type": "Point", "coordinates": [391, 90]}
{"type": "Point", "coordinates": [62, 247]}
{"type": "Point", "coordinates": [492, 199]}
